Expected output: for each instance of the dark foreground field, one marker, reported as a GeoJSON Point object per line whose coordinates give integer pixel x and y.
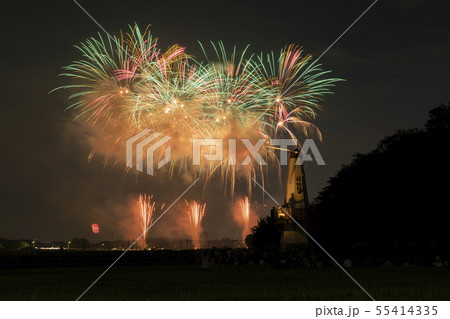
{"type": "Point", "coordinates": [186, 281]}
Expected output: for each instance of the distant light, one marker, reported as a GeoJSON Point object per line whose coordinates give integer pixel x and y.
{"type": "Point", "coordinates": [278, 100]}
{"type": "Point", "coordinates": [95, 228]}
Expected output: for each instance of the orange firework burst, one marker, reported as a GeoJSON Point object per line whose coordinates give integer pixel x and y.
{"type": "Point", "coordinates": [196, 212]}
{"type": "Point", "coordinates": [144, 211]}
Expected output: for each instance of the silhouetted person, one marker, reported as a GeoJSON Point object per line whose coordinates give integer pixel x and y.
{"type": "Point", "coordinates": [205, 261]}
{"type": "Point", "coordinates": [347, 263]}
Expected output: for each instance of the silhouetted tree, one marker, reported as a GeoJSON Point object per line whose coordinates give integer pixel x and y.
{"type": "Point", "coordinates": [398, 192]}
{"type": "Point", "coordinates": [265, 236]}
{"type": "Point", "coordinates": [439, 119]}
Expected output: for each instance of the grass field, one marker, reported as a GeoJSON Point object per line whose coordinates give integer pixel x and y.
{"type": "Point", "coordinates": [226, 282]}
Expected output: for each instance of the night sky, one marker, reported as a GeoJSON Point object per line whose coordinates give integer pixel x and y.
{"type": "Point", "coordinates": [395, 61]}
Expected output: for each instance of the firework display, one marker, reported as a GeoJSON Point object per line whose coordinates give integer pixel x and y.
{"type": "Point", "coordinates": [244, 205]}
{"type": "Point", "coordinates": [124, 84]}
{"type": "Point", "coordinates": [144, 212]}
{"type": "Point", "coordinates": [196, 212]}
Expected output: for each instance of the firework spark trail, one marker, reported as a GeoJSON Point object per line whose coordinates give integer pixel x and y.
{"type": "Point", "coordinates": [144, 211]}
{"type": "Point", "coordinates": [196, 212]}
{"type": "Point", "coordinates": [245, 210]}
{"type": "Point", "coordinates": [125, 84]}
{"type": "Point", "coordinates": [244, 205]}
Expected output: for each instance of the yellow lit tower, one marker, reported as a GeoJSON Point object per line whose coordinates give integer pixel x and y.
{"type": "Point", "coordinates": [295, 203]}
{"type": "Point", "coordinates": [296, 194]}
